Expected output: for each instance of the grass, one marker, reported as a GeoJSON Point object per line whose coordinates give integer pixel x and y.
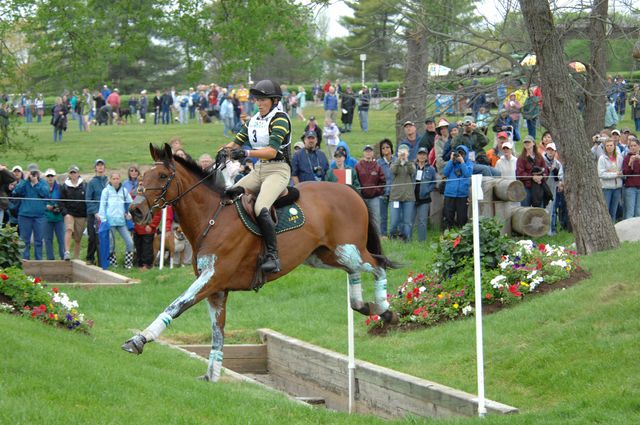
{"type": "Point", "coordinates": [569, 357]}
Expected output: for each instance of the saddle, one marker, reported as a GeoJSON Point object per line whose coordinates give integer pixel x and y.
{"type": "Point", "coordinates": [287, 197]}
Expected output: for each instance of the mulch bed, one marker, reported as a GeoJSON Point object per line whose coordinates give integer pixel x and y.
{"type": "Point", "coordinates": [575, 278]}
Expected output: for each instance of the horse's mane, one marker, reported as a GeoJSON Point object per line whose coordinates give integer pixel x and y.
{"type": "Point", "coordinates": [211, 175]}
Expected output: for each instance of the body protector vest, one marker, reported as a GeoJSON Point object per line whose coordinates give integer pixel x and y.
{"type": "Point", "coordinates": [259, 131]}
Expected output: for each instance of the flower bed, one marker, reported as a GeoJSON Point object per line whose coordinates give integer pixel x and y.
{"type": "Point", "coordinates": [30, 297]}
{"type": "Point", "coordinates": [511, 270]}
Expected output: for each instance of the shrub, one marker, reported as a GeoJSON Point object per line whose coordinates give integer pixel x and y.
{"type": "Point", "coordinates": [11, 247]}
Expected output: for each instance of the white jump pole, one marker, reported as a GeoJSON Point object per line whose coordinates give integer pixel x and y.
{"type": "Point", "coordinates": [163, 224]}
{"type": "Point", "coordinates": [476, 195]}
{"type": "Point", "coordinates": [351, 350]}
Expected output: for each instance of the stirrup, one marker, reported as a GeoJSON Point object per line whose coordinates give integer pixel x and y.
{"type": "Point", "coordinates": [271, 264]}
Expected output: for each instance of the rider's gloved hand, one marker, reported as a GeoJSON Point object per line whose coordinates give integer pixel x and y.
{"type": "Point", "coordinates": [238, 154]}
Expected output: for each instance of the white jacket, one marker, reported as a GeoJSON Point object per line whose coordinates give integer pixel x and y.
{"type": "Point", "coordinates": [610, 171]}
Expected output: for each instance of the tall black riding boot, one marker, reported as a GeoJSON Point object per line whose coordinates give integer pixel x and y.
{"type": "Point", "coordinates": [271, 263]}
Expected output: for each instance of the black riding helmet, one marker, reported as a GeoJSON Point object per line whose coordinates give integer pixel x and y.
{"type": "Point", "coordinates": [266, 88]}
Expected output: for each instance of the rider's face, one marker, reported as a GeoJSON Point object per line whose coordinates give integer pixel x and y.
{"type": "Point", "coordinates": [264, 105]}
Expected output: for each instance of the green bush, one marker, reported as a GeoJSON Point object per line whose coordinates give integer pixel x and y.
{"type": "Point", "coordinates": [11, 247]}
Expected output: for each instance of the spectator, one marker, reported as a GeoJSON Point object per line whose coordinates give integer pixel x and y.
{"type": "Point", "coordinates": [554, 182]}
{"type": "Point", "coordinates": [631, 169]}
{"type": "Point", "coordinates": [114, 101]}
{"type": "Point", "coordinates": [31, 211]}
{"type": "Point", "coordinates": [402, 197]}
{"type": "Point", "coordinates": [611, 177]}
{"type": "Point", "coordinates": [292, 101]}
{"type": "Point", "coordinates": [143, 235]}
{"type": "Point", "coordinates": [39, 104]}
{"type": "Point", "coordinates": [495, 153]}
{"type": "Point", "coordinates": [483, 119]}
{"type": "Point", "coordinates": [112, 211]}
{"type": "Point", "coordinates": [442, 137]}
{"type": "Point", "coordinates": [309, 164]}
{"type": "Point", "coordinates": [425, 183]}
{"type": "Point", "coordinates": [410, 139]}
{"type": "Point", "coordinates": [531, 112]}
{"type": "Point", "coordinates": [94, 191]}
{"type": "Point", "coordinates": [331, 134]}
{"type": "Point", "coordinates": [133, 179]}
{"type": "Point", "coordinates": [74, 209]}
{"type": "Point", "coordinates": [144, 105]}
{"type": "Point", "coordinates": [184, 102]}
{"type": "Point", "coordinates": [302, 102]}
{"type": "Point", "coordinates": [205, 161]}
{"type": "Point", "coordinates": [610, 115]}
{"type": "Point", "coordinates": [349, 160]}
{"type": "Point", "coordinates": [14, 203]}
{"type": "Point", "coordinates": [227, 115]}
{"type": "Point", "coordinates": [475, 142]}
{"type": "Point", "coordinates": [514, 108]}
{"type": "Point", "coordinates": [348, 105]}
{"type": "Point", "coordinates": [317, 92]}
{"type": "Point", "coordinates": [457, 171]}
{"type": "Point", "coordinates": [507, 163]}
{"type": "Point", "coordinates": [634, 102]}
{"type": "Point", "coordinates": [504, 123]}
{"type": "Point", "coordinates": [386, 159]}
{"type": "Point", "coordinates": [363, 108]}
{"type": "Point", "coordinates": [342, 173]}
{"type": "Point", "coordinates": [331, 105]}
{"type": "Point", "coordinates": [312, 125]}
{"type": "Point", "coordinates": [528, 159]}
{"type": "Point", "coordinates": [427, 140]}
{"type": "Point", "coordinates": [372, 181]}
{"type": "Point", "coordinates": [166, 102]}
{"type": "Point", "coordinates": [157, 104]}
{"type": "Point", "coordinates": [59, 119]}
{"type": "Point", "coordinates": [53, 223]}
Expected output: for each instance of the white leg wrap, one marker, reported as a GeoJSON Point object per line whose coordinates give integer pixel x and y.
{"type": "Point", "coordinates": [154, 330]}
{"type": "Point", "coordinates": [381, 294]}
{"type": "Point", "coordinates": [215, 365]}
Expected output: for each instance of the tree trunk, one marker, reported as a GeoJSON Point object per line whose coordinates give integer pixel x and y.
{"type": "Point", "coordinates": [597, 69]}
{"type": "Point", "coordinates": [413, 93]}
{"type": "Point", "coordinates": [589, 217]}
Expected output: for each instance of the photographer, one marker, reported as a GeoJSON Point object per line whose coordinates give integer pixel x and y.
{"type": "Point", "coordinates": [309, 164]}
{"type": "Point", "coordinates": [31, 211]}
{"type": "Point", "coordinates": [402, 198]}
{"type": "Point", "coordinates": [457, 171]}
{"type": "Point", "coordinates": [53, 217]}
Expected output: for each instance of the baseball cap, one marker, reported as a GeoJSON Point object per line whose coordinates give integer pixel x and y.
{"type": "Point", "coordinates": [507, 145]}
{"type": "Point", "coordinates": [33, 167]}
{"type": "Point", "coordinates": [97, 161]}
{"type": "Point", "coordinates": [16, 167]}
{"type": "Point", "coordinates": [467, 120]}
{"type": "Point", "coordinates": [422, 150]}
{"type": "Point", "coordinates": [50, 172]}
{"type": "Point", "coordinates": [626, 130]}
{"type": "Point", "coordinates": [616, 131]}
{"type": "Point", "coordinates": [312, 118]}
{"type": "Point", "coordinates": [403, 147]}
{"type": "Point", "coordinates": [367, 148]}
{"type": "Point", "coordinates": [552, 146]}
{"type": "Point", "coordinates": [299, 145]}
{"type": "Point", "coordinates": [502, 135]}
{"type": "Point", "coordinates": [429, 120]}
{"type": "Point", "coordinates": [443, 123]}
{"type": "Point", "coordinates": [528, 139]}
{"type": "Point", "coordinates": [311, 134]}
{"type": "Point", "coordinates": [74, 168]}
{"type": "Point", "coordinates": [339, 152]}
{"type": "Point", "coordinates": [406, 123]}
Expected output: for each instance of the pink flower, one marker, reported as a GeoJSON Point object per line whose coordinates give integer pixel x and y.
{"type": "Point", "coordinates": [514, 290]}
{"type": "Point", "coordinates": [37, 280]}
{"type": "Point", "coordinates": [456, 241]}
{"type": "Point", "coordinates": [55, 290]}
{"type": "Point", "coordinates": [4, 276]}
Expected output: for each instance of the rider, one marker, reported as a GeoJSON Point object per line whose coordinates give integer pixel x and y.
{"type": "Point", "coordinates": [267, 137]}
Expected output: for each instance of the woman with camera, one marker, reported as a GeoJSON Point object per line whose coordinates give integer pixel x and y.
{"type": "Point", "coordinates": [31, 211]}
{"type": "Point", "coordinates": [53, 223]}
{"type": "Point", "coordinates": [402, 198]}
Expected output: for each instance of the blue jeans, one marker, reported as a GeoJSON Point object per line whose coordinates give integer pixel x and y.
{"type": "Point", "coordinates": [28, 115]}
{"type": "Point", "coordinates": [384, 214]}
{"type": "Point", "coordinates": [373, 205]}
{"type": "Point", "coordinates": [631, 202]}
{"type": "Point", "coordinates": [57, 134]}
{"type": "Point", "coordinates": [31, 226]}
{"type": "Point", "coordinates": [402, 218]}
{"type": "Point", "coordinates": [166, 116]}
{"type": "Point", "coordinates": [612, 199]}
{"type": "Point", "coordinates": [51, 228]}
{"type": "Point", "coordinates": [526, 202]}
{"type": "Point", "coordinates": [637, 123]}
{"type": "Point", "coordinates": [228, 125]}
{"type": "Point", "coordinates": [184, 115]}
{"type": "Point", "coordinates": [126, 237]}
{"type": "Point", "coordinates": [364, 120]}
{"type": "Point", "coordinates": [422, 218]}
{"type": "Point", "coordinates": [531, 127]}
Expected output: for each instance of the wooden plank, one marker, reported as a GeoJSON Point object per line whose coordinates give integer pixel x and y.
{"type": "Point", "coordinates": [241, 358]}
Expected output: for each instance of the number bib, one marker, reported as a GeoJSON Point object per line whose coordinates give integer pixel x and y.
{"type": "Point", "coordinates": [259, 129]}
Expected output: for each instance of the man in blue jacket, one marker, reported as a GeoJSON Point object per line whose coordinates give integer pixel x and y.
{"type": "Point", "coordinates": [31, 212]}
{"type": "Point", "coordinates": [458, 172]}
{"type": "Point", "coordinates": [92, 196]}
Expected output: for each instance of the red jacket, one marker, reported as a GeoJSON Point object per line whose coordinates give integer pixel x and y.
{"type": "Point", "coordinates": [633, 171]}
{"type": "Point", "coordinates": [370, 174]}
{"type": "Point", "coordinates": [141, 229]}
{"type": "Point", "coordinates": [524, 169]}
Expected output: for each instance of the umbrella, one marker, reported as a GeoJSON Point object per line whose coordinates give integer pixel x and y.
{"type": "Point", "coordinates": [578, 67]}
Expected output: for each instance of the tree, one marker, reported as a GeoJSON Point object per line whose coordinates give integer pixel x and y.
{"type": "Point", "coordinates": [590, 220]}
{"type": "Point", "coordinates": [595, 90]}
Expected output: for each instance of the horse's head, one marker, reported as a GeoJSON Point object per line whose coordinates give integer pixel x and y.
{"type": "Point", "coordinates": [157, 187]}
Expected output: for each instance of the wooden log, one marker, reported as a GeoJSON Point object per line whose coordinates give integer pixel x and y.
{"type": "Point", "coordinates": [530, 221]}
{"type": "Point", "coordinates": [509, 190]}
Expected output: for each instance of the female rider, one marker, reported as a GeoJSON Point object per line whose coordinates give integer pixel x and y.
{"type": "Point", "coordinates": [265, 137]}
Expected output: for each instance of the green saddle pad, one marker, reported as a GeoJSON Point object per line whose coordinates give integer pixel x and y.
{"type": "Point", "coordinates": [290, 217]}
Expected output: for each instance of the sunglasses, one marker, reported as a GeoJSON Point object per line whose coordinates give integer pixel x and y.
{"type": "Point", "coordinates": [50, 175]}
{"type": "Point", "coordinates": [73, 172]}
{"type": "Point", "coordinates": [133, 169]}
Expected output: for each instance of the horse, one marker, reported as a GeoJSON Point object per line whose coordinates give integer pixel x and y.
{"type": "Point", "coordinates": [337, 233]}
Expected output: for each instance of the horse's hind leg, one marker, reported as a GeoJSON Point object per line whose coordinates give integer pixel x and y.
{"type": "Point", "coordinates": [188, 298]}
{"type": "Point", "coordinates": [217, 312]}
{"type": "Point", "coordinates": [350, 257]}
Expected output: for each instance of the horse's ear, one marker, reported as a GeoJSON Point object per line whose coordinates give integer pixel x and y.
{"type": "Point", "coordinates": [153, 151]}
{"type": "Point", "coordinates": [168, 153]}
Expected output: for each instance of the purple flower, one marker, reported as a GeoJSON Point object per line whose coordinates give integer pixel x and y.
{"type": "Point", "coordinates": [69, 317]}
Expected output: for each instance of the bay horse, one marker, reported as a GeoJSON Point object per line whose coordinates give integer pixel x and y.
{"type": "Point", "coordinates": [337, 233]}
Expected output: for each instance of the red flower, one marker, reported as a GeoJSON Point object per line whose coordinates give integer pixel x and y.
{"type": "Point", "coordinates": [37, 280]}
{"type": "Point", "coordinates": [4, 276]}
{"type": "Point", "coordinates": [542, 247]}
{"type": "Point", "coordinates": [488, 296]}
{"type": "Point", "coordinates": [418, 310]}
{"type": "Point", "coordinates": [514, 290]}
{"type": "Point", "coordinates": [376, 318]}
{"type": "Point", "coordinates": [409, 295]}
{"type": "Point", "coordinates": [368, 321]}
{"type": "Point", "coordinates": [55, 290]}
{"type": "Point", "coordinates": [52, 316]}
{"type": "Point", "coordinates": [33, 313]}
{"type": "Point", "coordinates": [456, 241]}
{"type": "Point", "coordinates": [27, 308]}
{"type": "Point", "coordinates": [416, 292]}
{"type": "Point", "coordinates": [538, 264]}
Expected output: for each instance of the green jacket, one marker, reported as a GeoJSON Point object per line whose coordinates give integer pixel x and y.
{"type": "Point", "coordinates": [355, 183]}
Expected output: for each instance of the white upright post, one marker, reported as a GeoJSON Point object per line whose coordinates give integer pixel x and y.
{"type": "Point", "coordinates": [363, 59]}
{"type": "Point", "coordinates": [163, 224]}
{"type": "Point", "coordinates": [351, 344]}
{"type": "Point", "coordinates": [476, 195]}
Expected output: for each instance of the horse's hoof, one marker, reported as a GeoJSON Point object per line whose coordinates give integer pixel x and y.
{"type": "Point", "coordinates": [134, 345]}
{"type": "Point", "coordinates": [207, 378]}
{"type": "Point", "coordinates": [390, 318]}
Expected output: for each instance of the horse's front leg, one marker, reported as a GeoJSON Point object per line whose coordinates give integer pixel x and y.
{"type": "Point", "coordinates": [191, 296]}
{"type": "Point", "coordinates": [217, 312]}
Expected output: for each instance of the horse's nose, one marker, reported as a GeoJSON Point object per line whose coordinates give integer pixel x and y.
{"type": "Point", "coordinates": [136, 214]}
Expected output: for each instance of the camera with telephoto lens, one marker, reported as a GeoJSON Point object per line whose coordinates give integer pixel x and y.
{"type": "Point", "coordinates": [34, 173]}
{"type": "Point", "coordinates": [56, 209]}
{"type": "Point", "coordinates": [317, 171]}
{"type": "Point", "coordinates": [456, 155]}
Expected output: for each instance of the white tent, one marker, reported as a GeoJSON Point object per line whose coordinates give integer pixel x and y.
{"type": "Point", "coordinates": [436, 70]}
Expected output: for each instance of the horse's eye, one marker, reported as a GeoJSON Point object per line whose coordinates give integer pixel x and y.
{"type": "Point", "coordinates": [163, 176]}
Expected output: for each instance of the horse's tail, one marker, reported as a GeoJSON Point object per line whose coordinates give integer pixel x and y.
{"type": "Point", "coordinates": [374, 246]}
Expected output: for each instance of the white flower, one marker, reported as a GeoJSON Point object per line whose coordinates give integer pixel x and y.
{"type": "Point", "coordinates": [528, 245]}
{"type": "Point", "coordinates": [559, 263]}
{"type": "Point", "coordinates": [410, 279]}
{"type": "Point", "coordinates": [532, 274]}
{"type": "Point", "coordinates": [422, 289]}
{"type": "Point", "coordinates": [467, 310]}
{"type": "Point", "coordinates": [495, 282]}
{"type": "Point", "coordinates": [63, 299]}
